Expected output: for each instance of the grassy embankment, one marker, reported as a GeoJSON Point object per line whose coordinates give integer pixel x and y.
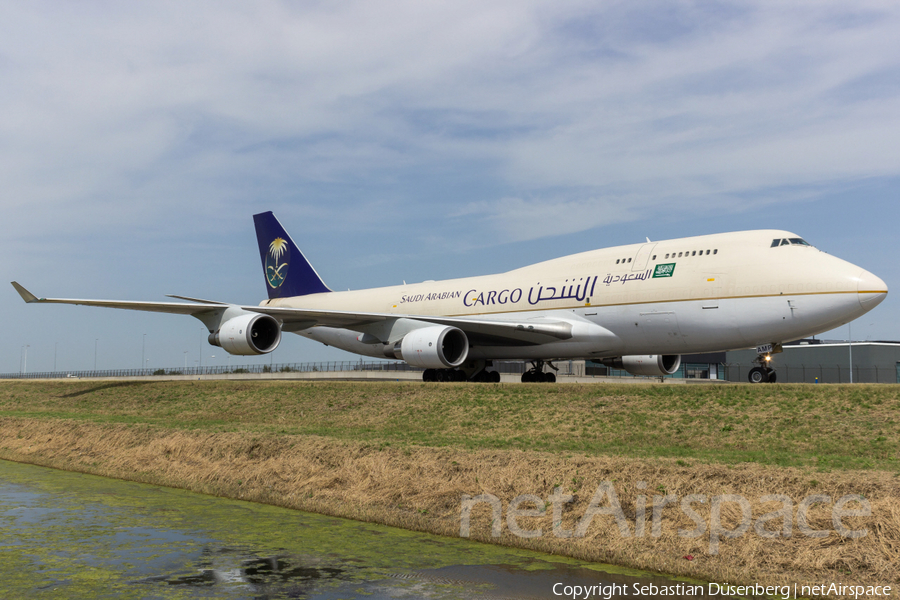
{"type": "Point", "coordinates": [404, 453]}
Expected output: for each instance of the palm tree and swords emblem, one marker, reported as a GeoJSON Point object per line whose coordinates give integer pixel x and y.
{"type": "Point", "coordinates": [276, 273]}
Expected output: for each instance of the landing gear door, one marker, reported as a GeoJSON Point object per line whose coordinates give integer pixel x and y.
{"type": "Point", "coordinates": [643, 255]}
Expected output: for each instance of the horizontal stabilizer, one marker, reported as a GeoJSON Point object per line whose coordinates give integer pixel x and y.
{"type": "Point", "coordinates": [189, 299]}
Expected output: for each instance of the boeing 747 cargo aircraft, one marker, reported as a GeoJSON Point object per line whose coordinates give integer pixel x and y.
{"type": "Point", "coordinates": [637, 307]}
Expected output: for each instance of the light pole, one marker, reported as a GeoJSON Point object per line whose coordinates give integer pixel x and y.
{"type": "Point", "coordinates": [850, 345]}
{"type": "Point", "coordinates": [55, 348]}
{"type": "Point", "coordinates": [95, 352]}
{"type": "Point", "coordinates": [143, 349]}
{"type": "Point", "coordinates": [25, 359]}
{"type": "Point", "coordinates": [185, 360]}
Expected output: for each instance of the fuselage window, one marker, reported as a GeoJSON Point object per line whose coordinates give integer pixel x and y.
{"type": "Point", "coordinates": [654, 257]}
{"type": "Point", "coordinates": [716, 251]}
{"type": "Point", "coordinates": [707, 252]}
{"type": "Point", "coordinates": [679, 254]}
{"type": "Point", "coordinates": [800, 242]}
{"type": "Point", "coordinates": [617, 261]}
{"type": "Point", "coordinates": [775, 243]}
{"type": "Point", "coordinates": [695, 253]}
{"type": "Point", "coordinates": [629, 260]}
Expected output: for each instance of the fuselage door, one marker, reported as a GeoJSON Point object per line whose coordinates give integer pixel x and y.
{"type": "Point", "coordinates": [643, 255]}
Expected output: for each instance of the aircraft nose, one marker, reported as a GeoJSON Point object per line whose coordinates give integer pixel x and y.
{"type": "Point", "coordinates": [872, 290]}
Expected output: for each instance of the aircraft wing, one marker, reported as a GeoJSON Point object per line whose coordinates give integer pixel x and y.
{"type": "Point", "coordinates": [180, 308]}
{"type": "Point", "coordinates": [534, 331]}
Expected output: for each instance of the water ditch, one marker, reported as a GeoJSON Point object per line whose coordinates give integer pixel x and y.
{"type": "Point", "coordinates": [65, 534]}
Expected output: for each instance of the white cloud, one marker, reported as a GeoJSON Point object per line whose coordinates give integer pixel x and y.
{"type": "Point", "coordinates": [159, 102]}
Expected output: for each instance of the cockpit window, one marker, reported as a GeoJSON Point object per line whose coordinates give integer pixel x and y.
{"type": "Point", "coordinates": [789, 242]}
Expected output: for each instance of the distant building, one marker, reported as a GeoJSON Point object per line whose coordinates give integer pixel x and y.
{"type": "Point", "coordinates": [693, 366]}
{"type": "Point", "coordinates": [812, 361]}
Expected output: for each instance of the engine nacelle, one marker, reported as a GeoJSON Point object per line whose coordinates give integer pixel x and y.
{"type": "Point", "coordinates": [649, 365]}
{"type": "Point", "coordinates": [437, 347]}
{"type": "Point", "coordinates": [248, 334]}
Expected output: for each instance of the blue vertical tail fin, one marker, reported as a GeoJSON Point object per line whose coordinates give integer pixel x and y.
{"type": "Point", "coordinates": [287, 271]}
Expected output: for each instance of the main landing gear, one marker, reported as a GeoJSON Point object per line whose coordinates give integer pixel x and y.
{"type": "Point", "coordinates": [472, 371]}
{"type": "Point", "coordinates": [536, 373]}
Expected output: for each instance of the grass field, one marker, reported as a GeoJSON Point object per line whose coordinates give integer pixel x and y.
{"type": "Point", "coordinates": [406, 454]}
{"type": "Point", "coordinates": [820, 426]}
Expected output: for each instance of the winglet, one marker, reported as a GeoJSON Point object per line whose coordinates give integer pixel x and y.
{"type": "Point", "coordinates": [287, 271]}
{"type": "Point", "coordinates": [26, 295]}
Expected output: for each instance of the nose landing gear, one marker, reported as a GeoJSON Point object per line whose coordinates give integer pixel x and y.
{"type": "Point", "coordinates": [764, 373]}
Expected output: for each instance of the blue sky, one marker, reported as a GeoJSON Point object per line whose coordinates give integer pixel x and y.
{"type": "Point", "coordinates": [411, 141]}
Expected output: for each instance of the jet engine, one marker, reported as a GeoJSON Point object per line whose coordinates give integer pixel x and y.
{"type": "Point", "coordinates": [652, 365]}
{"type": "Point", "coordinates": [248, 334]}
{"type": "Point", "coordinates": [437, 347]}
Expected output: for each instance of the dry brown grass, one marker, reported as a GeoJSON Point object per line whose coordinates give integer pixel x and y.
{"type": "Point", "coordinates": [421, 488]}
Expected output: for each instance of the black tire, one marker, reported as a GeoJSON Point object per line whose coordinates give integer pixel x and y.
{"type": "Point", "coordinates": [549, 377]}
{"type": "Point", "coordinates": [758, 375]}
{"type": "Point", "coordinates": [459, 375]}
{"type": "Point", "coordinates": [494, 377]}
{"type": "Point", "coordinates": [527, 377]}
{"type": "Point", "coordinates": [429, 375]}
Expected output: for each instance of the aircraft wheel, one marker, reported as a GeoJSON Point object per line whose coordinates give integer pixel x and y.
{"type": "Point", "coordinates": [494, 377]}
{"type": "Point", "coordinates": [549, 378]}
{"type": "Point", "coordinates": [772, 376]}
{"type": "Point", "coordinates": [758, 375]}
{"type": "Point", "coordinates": [527, 377]}
{"type": "Point", "coordinates": [459, 375]}
{"type": "Point", "coordinates": [429, 375]}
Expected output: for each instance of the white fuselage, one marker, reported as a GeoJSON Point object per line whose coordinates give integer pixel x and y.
{"type": "Point", "coordinates": [699, 294]}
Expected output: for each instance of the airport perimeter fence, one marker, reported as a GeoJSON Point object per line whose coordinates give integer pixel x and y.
{"type": "Point", "coordinates": [738, 373]}
{"type": "Point", "coordinates": [819, 373]}
{"type": "Point", "coordinates": [307, 367]}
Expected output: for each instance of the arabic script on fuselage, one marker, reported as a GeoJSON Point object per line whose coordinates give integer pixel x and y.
{"type": "Point", "coordinates": [580, 290]}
